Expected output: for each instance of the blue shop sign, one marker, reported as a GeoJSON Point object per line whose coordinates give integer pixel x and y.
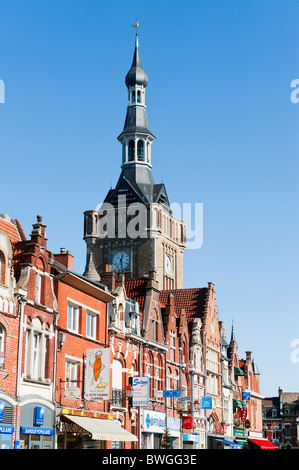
{"type": "Point", "coordinates": [206, 403]}
{"type": "Point", "coordinates": [171, 393]}
{"type": "Point", "coordinates": [39, 416]}
{"type": "Point", "coordinates": [246, 396]}
{"type": "Point", "coordinates": [37, 431]}
{"type": "Point", "coordinates": [6, 429]}
{"type": "Point", "coordinates": [2, 405]}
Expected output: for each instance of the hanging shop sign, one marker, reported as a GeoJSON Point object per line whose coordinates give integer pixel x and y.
{"type": "Point", "coordinates": [243, 414]}
{"type": "Point", "coordinates": [140, 391]}
{"type": "Point", "coordinates": [247, 424]}
{"type": "Point", "coordinates": [246, 395]}
{"type": "Point", "coordinates": [97, 373]}
{"type": "Point", "coordinates": [207, 403]}
{"type": "Point", "coordinates": [187, 422]}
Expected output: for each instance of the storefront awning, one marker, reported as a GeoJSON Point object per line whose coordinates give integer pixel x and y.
{"type": "Point", "coordinates": [233, 445]}
{"type": "Point", "coordinates": [102, 429]}
{"type": "Point", "coordinates": [263, 443]}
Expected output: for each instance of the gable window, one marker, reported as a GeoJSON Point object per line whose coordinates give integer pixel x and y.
{"type": "Point", "coordinates": [73, 318]}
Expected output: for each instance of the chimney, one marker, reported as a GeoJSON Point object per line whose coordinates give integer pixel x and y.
{"type": "Point", "coordinates": [65, 258]}
{"type": "Point", "coordinates": [108, 279]}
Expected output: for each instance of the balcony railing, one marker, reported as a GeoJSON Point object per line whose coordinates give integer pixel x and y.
{"type": "Point", "coordinates": [118, 398]}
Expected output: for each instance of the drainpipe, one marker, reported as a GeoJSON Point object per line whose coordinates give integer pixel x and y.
{"type": "Point", "coordinates": [22, 302]}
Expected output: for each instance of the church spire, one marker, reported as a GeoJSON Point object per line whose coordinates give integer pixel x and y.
{"type": "Point", "coordinates": [136, 137]}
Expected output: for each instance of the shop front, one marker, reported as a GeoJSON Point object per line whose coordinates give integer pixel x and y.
{"type": "Point", "coordinates": [36, 427]}
{"type": "Point", "coordinates": [80, 429]}
{"type": "Point", "coordinates": [6, 427]}
{"type": "Point", "coordinates": [153, 427]}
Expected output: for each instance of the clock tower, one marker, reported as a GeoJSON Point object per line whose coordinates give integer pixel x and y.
{"type": "Point", "coordinates": [134, 231]}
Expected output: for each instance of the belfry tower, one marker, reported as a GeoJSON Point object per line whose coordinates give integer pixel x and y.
{"type": "Point", "coordinates": [134, 231]}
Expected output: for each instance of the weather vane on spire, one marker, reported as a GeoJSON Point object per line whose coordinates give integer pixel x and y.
{"type": "Point", "coordinates": [135, 25]}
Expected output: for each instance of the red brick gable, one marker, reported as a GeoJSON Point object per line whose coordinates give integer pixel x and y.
{"type": "Point", "coordinates": [15, 233]}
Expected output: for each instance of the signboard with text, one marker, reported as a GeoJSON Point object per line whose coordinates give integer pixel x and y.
{"type": "Point", "coordinates": [140, 391]}
{"type": "Point", "coordinates": [206, 403]}
{"type": "Point", "coordinates": [97, 374]}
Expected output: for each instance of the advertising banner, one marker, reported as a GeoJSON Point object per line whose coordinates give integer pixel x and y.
{"type": "Point", "coordinates": [97, 373]}
{"type": "Point", "coordinates": [140, 391]}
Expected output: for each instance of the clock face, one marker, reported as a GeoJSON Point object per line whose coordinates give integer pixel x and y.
{"type": "Point", "coordinates": [168, 264]}
{"type": "Point", "coordinates": [121, 260]}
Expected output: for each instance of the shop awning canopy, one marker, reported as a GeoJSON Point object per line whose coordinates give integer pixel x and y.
{"type": "Point", "coordinates": [233, 445]}
{"type": "Point", "coordinates": [263, 443]}
{"type": "Point", "coordinates": [102, 429]}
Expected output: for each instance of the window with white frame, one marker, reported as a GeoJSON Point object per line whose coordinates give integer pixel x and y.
{"type": "Point", "coordinates": [91, 325]}
{"type": "Point", "coordinates": [71, 373]}
{"type": "Point", "coordinates": [36, 357]}
{"type": "Point", "coordinates": [73, 318]}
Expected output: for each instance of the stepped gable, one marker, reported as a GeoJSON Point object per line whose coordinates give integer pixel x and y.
{"type": "Point", "coordinates": [191, 300]}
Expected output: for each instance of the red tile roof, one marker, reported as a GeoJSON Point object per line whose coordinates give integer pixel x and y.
{"type": "Point", "coordinates": [135, 290]}
{"type": "Point", "coordinates": [192, 300]}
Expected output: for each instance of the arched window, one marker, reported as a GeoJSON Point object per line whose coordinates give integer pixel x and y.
{"type": "Point", "coordinates": [2, 268]}
{"type": "Point", "coordinates": [133, 97]}
{"type": "Point", "coordinates": [140, 151]}
{"type": "Point", "coordinates": [138, 97]}
{"type": "Point", "coordinates": [131, 150]}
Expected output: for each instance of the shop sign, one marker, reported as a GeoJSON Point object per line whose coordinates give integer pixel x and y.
{"type": "Point", "coordinates": [243, 414]}
{"type": "Point", "coordinates": [153, 421]}
{"type": "Point", "coordinates": [140, 390]}
{"type": "Point", "coordinates": [247, 424]}
{"type": "Point", "coordinates": [39, 414]}
{"type": "Point", "coordinates": [171, 393]}
{"type": "Point", "coordinates": [207, 403]}
{"type": "Point", "coordinates": [37, 431]}
{"type": "Point", "coordinates": [239, 432]}
{"type": "Point", "coordinates": [97, 374]}
{"type": "Point", "coordinates": [87, 414]}
{"type": "Point", "coordinates": [6, 429]}
{"type": "Point", "coordinates": [2, 405]}
{"type": "Point", "coordinates": [246, 395]}
{"type": "Point", "coordinates": [173, 424]}
{"type": "Point", "coordinates": [219, 428]}
{"type": "Point", "coordinates": [187, 422]}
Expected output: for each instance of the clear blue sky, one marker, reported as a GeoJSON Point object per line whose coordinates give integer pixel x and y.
{"type": "Point", "coordinates": [218, 101]}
